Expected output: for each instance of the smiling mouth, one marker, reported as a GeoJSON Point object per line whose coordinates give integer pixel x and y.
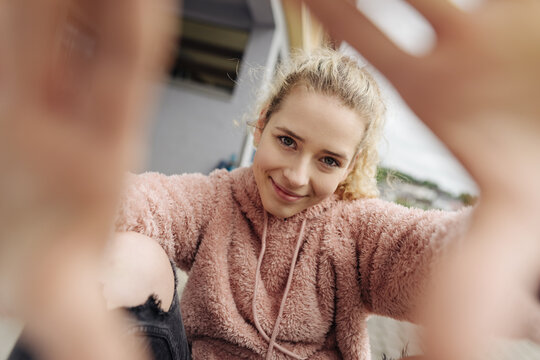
{"type": "Point", "coordinates": [285, 194]}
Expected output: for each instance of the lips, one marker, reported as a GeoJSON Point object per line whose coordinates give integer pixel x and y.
{"type": "Point", "coordinates": [284, 194]}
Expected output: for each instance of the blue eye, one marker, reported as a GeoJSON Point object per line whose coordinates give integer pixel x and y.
{"type": "Point", "coordinates": [330, 161]}
{"type": "Point", "coordinates": [286, 141]}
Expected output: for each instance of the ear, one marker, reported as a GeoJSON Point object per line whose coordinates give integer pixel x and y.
{"type": "Point", "coordinates": [259, 127]}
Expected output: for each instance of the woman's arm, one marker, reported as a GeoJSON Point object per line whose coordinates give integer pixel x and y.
{"type": "Point", "coordinates": [397, 248]}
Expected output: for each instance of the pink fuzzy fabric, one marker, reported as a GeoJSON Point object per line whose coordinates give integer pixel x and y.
{"type": "Point", "coordinates": [357, 258]}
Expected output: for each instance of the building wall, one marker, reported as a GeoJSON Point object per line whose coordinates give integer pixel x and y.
{"type": "Point", "coordinates": [194, 129]}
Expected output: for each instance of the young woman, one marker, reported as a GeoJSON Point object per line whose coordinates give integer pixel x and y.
{"type": "Point", "coordinates": [288, 258]}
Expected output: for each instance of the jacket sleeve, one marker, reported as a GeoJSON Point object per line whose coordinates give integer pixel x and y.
{"type": "Point", "coordinates": [396, 250]}
{"type": "Point", "coordinates": [173, 210]}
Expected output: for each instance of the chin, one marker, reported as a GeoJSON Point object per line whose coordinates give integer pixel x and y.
{"type": "Point", "coordinates": [281, 211]}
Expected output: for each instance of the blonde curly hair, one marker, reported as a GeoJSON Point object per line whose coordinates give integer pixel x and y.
{"type": "Point", "coordinates": [332, 73]}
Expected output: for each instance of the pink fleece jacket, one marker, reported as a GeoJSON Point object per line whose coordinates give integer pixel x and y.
{"type": "Point", "coordinates": [355, 258]}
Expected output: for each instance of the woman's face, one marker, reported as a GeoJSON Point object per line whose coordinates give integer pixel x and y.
{"type": "Point", "coordinates": [306, 149]}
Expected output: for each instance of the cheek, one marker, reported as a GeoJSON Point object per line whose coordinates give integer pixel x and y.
{"type": "Point", "coordinates": [266, 158]}
{"type": "Point", "coordinates": [326, 184]}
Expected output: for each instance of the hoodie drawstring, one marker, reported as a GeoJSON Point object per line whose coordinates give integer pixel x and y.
{"type": "Point", "coordinates": [272, 341]}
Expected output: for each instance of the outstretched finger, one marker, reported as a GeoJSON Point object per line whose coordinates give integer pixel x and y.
{"type": "Point", "coordinates": [131, 38]}
{"type": "Point", "coordinates": [31, 29]}
{"type": "Point", "coordinates": [345, 22]}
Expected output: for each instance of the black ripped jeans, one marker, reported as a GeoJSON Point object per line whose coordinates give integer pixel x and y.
{"type": "Point", "coordinates": [163, 332]}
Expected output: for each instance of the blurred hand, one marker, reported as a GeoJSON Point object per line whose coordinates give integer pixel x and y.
{"type": "Point", "coordinates": [478, 91]}
{"type": "Point", "coordinates": [75, 85]}
{"type": "Point", "coordinates": [75, 79]}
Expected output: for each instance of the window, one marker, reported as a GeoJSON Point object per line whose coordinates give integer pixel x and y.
{"type": "Point", "coordinates": [209, 54]}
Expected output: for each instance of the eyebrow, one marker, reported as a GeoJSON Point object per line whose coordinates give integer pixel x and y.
{"type": "Point", "coordinates": [341, 156]}
{"type": "Point", "coordinates": [290, 133]}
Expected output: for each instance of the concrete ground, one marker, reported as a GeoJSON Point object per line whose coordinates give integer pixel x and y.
{"type": "Point", "coordinates": [390, 337]}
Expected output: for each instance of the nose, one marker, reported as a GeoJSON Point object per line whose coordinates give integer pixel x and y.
{"type": "Point", "coordinates": [297, 174]}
